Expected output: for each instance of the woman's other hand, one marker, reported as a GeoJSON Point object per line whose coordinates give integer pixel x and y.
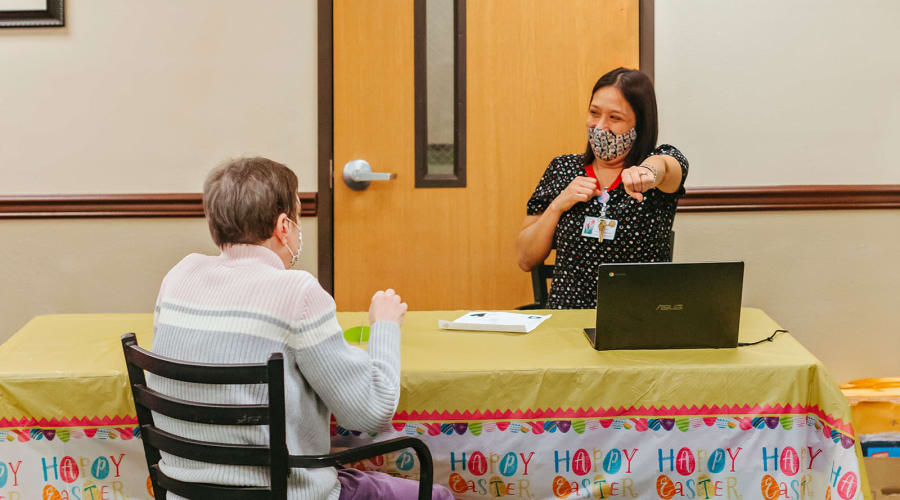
{"type": "Point", "coordinates": [387, 306]}
{"type": "Point", "coordinates": [580, 189]}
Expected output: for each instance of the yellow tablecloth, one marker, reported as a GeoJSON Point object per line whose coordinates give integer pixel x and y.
{"type": "Point", "coordinates": [67, 371]}
{"type": "Point", "coordinates": [551, 367]}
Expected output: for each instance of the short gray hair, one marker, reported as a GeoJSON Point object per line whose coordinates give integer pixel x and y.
{"type": "Point", "coordinates": [243, 198]}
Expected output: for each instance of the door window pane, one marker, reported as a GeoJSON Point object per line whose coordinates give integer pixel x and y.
{"type": "Point", "coordinates": [440, 93]}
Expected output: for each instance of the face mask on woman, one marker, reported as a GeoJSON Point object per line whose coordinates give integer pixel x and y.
{"type": "Point", "coordinates": [295, 258]}
{"type": "Point", "coordinates": [609, 146]}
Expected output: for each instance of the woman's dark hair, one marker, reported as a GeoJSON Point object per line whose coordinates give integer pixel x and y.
{"type": "Point", "coordinates": [638, 91]}
{"type": "Point", "coordinates": [243, 198]}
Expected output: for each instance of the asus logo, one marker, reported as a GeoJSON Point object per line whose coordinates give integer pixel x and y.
{"type": "Point", "coordinates": [670, 307]}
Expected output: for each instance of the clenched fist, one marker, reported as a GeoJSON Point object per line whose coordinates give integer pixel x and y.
{"type": "Point", "coordinates": [637, 180]}
{"type": "Point", "coordinates": [387, 306]}
{"type": "Point", "coordinates": [580, 189]}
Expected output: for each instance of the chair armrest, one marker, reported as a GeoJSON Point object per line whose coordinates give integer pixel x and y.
{"type": "Point", "coordinates": [361, 452]}
{"type": "Point", "coordinates": [426, 467]}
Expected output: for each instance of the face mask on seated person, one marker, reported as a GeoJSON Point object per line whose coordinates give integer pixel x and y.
{"type": "Point", "coordinates": [296, 258]}
{"type": "Point", "coordinates": [609, 146]}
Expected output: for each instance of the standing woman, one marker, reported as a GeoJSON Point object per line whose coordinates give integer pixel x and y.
{"type": "Point", "coordinates": [614, 203]}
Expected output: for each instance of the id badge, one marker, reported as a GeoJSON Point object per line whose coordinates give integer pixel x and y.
{"type": "Point", "coordinates": [597, 227]}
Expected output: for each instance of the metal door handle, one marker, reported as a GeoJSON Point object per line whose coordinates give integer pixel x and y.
{"type": "Point", "coordinates": [358, 174]}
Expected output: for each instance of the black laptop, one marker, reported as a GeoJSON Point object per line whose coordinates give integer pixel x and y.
{"type": "Point", "coordinates": [667, 305]}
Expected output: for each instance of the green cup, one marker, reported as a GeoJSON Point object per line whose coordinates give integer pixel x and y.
{"type": "Point", "coordinates": [357, 334]}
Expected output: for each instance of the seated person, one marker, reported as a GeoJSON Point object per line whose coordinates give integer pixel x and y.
{"type": "Point", "coordinates": [243, 305]}
{"type": "Point", "coordinates": [614, 203]}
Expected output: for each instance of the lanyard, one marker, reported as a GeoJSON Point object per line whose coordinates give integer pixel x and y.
{"type": "Point", "coordinates": [604, 201]}
{"type": "Point", "coordinates": [604, 195]}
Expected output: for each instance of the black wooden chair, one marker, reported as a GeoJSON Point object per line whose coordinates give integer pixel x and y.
{"type": "Point", "coordinates": [274, 455]}
{"type": "Point", "coordinates": [543, 272]}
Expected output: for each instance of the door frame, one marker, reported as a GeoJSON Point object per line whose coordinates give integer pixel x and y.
{"type": "Point", "coordinates": [326, 167]}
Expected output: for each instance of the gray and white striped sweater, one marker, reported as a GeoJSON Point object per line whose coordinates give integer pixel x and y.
{"type": "Point", "coordinates": [241, 306]}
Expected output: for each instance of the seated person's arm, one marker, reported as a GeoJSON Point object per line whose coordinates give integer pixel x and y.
{"type": "Point", "coordinates": [361, 388]}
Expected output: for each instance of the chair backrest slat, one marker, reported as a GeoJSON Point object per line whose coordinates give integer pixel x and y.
{"type": "Point", "coordinates": [203, 413]}
{"type": "Point", "coordinates": [199, 491]}
{"type": "Point", "coordinates": [201, 373]}
{"type": "Point", "coordinates": [203, 451]}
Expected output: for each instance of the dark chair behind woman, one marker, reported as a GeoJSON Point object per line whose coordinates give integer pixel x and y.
{"type": "Point", "coordinates": [544, 272]}
{"type": "Point", "coordinates": [540, 275]}
{"type": "Point", "coordinates": [274, 455]}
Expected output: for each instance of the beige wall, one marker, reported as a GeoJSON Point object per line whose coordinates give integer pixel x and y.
{"type": "Point", "coordinates": [768, 92]}
{"type": "Point", "coordinates": [141, 97]}
{"type": "Point", "coordinates": [99, 265]}
{"type": "Point", "coordinates": [829, 277]}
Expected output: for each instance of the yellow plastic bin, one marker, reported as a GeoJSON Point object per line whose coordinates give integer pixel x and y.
{"type": "Point", "coordinates": [875, 408]}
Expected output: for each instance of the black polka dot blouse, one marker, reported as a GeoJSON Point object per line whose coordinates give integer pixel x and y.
{"type": "Point", "coordinates": [642, 234]}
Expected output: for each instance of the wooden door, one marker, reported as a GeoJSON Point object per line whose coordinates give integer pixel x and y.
{"type": "Point", "coordinates": [530, 66]}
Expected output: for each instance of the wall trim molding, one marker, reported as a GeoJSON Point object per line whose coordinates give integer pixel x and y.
{"type": "Point", "coordinates": [117, 205]}
{"type": "Point", "coordinates": [698, 199]}
{"type": "Point", "coordinates": [807, 197]}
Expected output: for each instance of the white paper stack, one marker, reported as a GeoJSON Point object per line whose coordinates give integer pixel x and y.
{"type": "Point", "coordinates": [494, 321]}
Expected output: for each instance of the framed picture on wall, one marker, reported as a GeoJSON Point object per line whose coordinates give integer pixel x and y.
{"type": "Point", "coordinates": [32, 13]}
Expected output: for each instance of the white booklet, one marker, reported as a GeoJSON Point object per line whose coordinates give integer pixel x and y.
{"type": "Point", "coordinates": [494, 321]}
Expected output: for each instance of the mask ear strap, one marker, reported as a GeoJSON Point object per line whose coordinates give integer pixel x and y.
{"type": "Point", "coordinates": [294, 257]}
